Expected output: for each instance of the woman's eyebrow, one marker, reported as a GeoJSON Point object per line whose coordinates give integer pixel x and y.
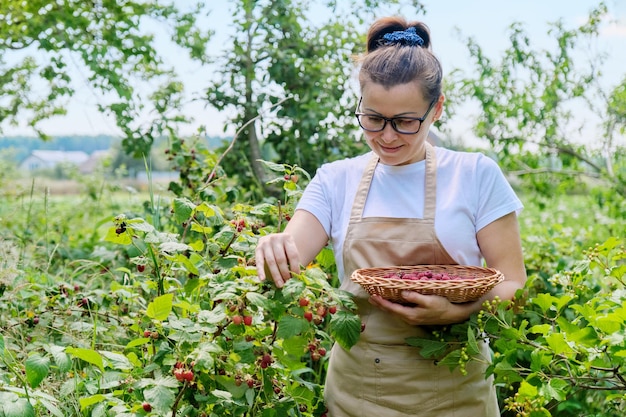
{"type": "Point", "coordinates": [397, 115]}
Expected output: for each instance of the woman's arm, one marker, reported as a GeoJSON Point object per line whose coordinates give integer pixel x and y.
{"type": "Point", "coordinates": [281, 254]}
{"type": "Point", "coordinates": [501, 247]}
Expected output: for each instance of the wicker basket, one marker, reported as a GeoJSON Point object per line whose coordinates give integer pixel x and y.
{"type": "Point", "coordinates": [474, 281]}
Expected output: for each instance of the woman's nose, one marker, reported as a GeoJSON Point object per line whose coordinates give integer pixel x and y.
{"type": "Point", "coordinates": [388, 134]}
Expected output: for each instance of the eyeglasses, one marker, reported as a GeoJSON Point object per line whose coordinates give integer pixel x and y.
{"type": "Point", "coordinates": [403, 125]}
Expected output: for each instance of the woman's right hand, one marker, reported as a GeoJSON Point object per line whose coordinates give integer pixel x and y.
{"type": "Point", "coordinates": [279, 255]}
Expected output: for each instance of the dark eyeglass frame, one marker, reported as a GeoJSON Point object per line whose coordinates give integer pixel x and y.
{"type": "Point", "coordinates": [392, 120]}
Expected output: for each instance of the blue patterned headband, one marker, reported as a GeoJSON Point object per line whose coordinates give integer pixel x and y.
{"type": "Point", "coordinates": [403, 37]}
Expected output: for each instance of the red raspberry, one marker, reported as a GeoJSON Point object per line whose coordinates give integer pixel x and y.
{"type": "Point", "coordinates": [247, 320]}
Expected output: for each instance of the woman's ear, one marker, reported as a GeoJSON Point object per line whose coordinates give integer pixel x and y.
{"type": "Point", "coordinates": [439, 108]}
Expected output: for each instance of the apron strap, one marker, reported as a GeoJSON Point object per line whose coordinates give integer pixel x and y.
{"type": "Point", "coordinates": [430, 184]}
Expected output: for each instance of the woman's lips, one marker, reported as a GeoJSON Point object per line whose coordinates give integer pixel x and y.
{"type": "Point", "coordinates": [390, 149]}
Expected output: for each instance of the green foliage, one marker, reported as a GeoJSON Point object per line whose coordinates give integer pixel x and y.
{"type": "Point", "coordinates": [279, 55]}
{"type": "Point", "coordinates": [166, 309]}
{"type": "Point", "coordinates": [114, 54]}
{"type": "Point", "coordinates": [526, 100]}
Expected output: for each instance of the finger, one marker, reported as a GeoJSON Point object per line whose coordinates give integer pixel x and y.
{"type": "Point", "coordinates": [293, 258]}
{"type": "Point", "coordinates": [267, 264]}
{"type": "Point", "coordinates": [260, 263]}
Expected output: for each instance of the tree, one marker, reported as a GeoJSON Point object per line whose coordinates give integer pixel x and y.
{"type": "Point", "coordinates": [526, 103]}
{"type": "Point", "coordinates": [280, 55]}
{"type": "Point", "coordinates": [112, 49]}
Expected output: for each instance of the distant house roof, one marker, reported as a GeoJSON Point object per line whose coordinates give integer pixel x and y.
{"type": "Point", "coordinates": [74, 157]}
{"type": "Point", "coordinates": [48, 159]}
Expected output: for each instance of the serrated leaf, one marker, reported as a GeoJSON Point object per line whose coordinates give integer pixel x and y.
{"type": "Point", "coordinates": [173, 247]}
{"type": "Point", "coordinates": [290, 326]}
{"type": "Point", "coordinates": [293, 288]}
{"type": "Point", "coordinates": [161, 397]}
{"type": "Point", "coordinates": [273, 166]}
{"type": "Point", "coordinates": [140, 225]}
{"type": "Point", "coordinates": [345, 328]}
{"type": "Point", "coordinates": [211, 316]}
{"type": "Point", "coordinates": [428, 348]}
{"type": "Point", "coordinates": [37, 368]}
{"type": "Point", "coordinates": [87, 355]}
{"type": "Point", "coordinates": [183, 208]}
{"type": "Point", "coordinates": [117, 360]}
{"type": "Point", "coordinates": [295, 346]}
{"type": "Point", "coordinates": [257, 299]}
{"type": "Point", "coordinates": [161, 307]}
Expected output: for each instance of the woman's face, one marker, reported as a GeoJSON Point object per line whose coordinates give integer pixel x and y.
{"type": "Point", "coordinates": [404, 100]}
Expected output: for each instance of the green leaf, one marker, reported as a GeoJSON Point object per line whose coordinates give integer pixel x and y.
{"type": "Point", "coordinates": [326, 258]}
{"type": "Point", "coordinates": [19, 408]}
{"type": "Point", "coordinates": [257, 299]}
{"type": "Point", "coordinates": [541, 329]}
{"type": "Point", "coordinates": [429, 348]}
{"type": "Point", "coordinates": [173, 247]}
{"type": "Point", "coordinates": [161, 307]}
{"type": "Point", "coordinates": [295, 346]}
{"type": "Point", "coordinates": [161, 396]}
{"type": "Point", "coordinates": [87, 402]}
{"type": "Point", "coordinates": [87, 355]}
{"type": "Point", "coordinates": [290, 326]}
{"type": "Point", "coordinates": [37, 368]}
{"type": "Point", "coordinates": [183, 209]}
{"type": "Point", "coordinates": [345, 328]}
{"type": "Point", "coordinates": [61, 359]}
{"type": "Point", "coordinates": [293, 288]}
{"type": "Point", "coordinates": [527, 391]}
{"type": "Point", "coordinates": [544, 301]}
{"type": "Point", "coordinates": [472, 346]}
{"type": "Point", "coordinates": [120, 239]}
{"type": "Point", "coordinates": [1, 346]}
{"type": "Point", "coordinates": [138, 342]}
{"type": "Point", "coordinates": [117, 361]}
{"type": "Point", "coordinates": [558, 344]}
{"type": "Point", "coordinates": [555, 389]}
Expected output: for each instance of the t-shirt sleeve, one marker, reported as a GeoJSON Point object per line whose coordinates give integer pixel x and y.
{"type": "Point", "coordinates": [315, 199]}
{"type": "Point", "coordinates": [496, 197]}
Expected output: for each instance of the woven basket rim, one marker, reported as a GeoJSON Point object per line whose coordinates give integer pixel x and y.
{"type": "Point", "coordinates": [477, 281]}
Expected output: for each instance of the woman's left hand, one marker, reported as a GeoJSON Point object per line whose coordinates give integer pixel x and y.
{"type": "Point", "coordinates": [422, 310]}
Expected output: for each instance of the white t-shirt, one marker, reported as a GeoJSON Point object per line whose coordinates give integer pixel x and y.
{"type": "Point", "coordinates": [471, 193]}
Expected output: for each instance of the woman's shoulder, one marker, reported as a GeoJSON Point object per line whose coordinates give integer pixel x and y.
{"type": "Point", "coordinates": [346, 166]}
{"type": "Point", "coordinates": [462, 160]}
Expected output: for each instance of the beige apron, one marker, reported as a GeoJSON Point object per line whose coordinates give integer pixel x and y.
{"type": "Point", "coordinates": [382, 376]}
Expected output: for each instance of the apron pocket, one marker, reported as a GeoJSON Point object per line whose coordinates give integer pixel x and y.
{"type": "Point", "coordinates": [405, 381]}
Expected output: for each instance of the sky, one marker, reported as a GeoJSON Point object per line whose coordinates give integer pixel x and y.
{"type": "Point", "coordinates": [484, 20]}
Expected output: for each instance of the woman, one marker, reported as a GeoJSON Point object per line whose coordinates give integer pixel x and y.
{"type": "Point", "coordinates": [403, 203]}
